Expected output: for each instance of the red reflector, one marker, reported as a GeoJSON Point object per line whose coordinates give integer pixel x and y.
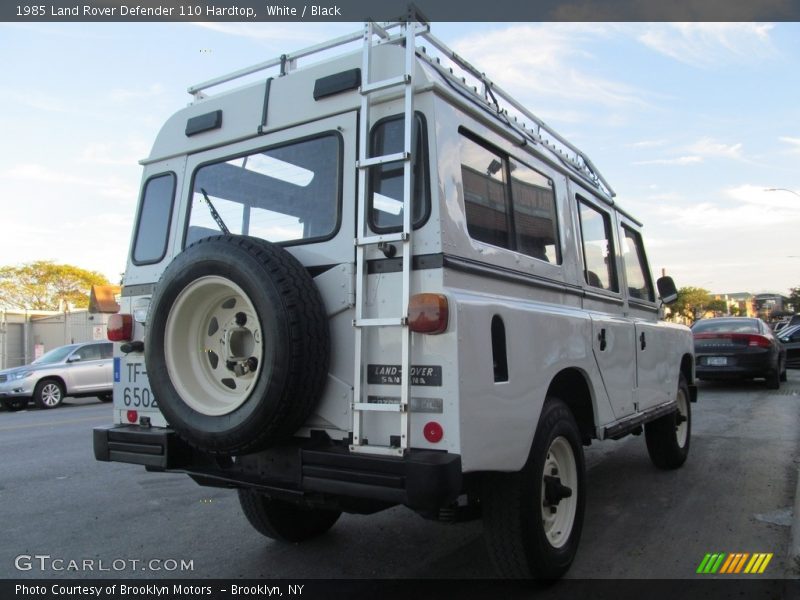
{"type": "Point", "coordinates": [433, 432]}
{"type": "Point", "coordinates": [428, 313]}
{"type": "Point", "coordinates": [133, 416]}
{"type": "Point", "coordinates": [120, 328]}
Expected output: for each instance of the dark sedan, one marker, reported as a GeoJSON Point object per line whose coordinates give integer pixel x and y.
{"type": "Point", "coordinates": [738, 348]}
{"type": "Point", "coordinates": [790, 338]}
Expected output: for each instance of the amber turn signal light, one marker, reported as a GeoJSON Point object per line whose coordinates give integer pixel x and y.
{"type": "Point", "coordinates": [428, 313]}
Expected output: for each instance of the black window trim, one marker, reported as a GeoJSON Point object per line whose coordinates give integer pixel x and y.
{"type": "Point", "coordinates": [580, 198]}
{"type": "Point", "coordinates": [426, 160]}
{"type": "Point", "coordinates": [644, 267]}
{"type": "Point", "coordinates": [140, 263]}
{"type": "Point", "coordinates": [303, 241]}
{"type": "Point", "coordinates": [506, 158]}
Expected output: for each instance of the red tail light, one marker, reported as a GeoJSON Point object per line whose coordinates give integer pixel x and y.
{"type": "Point", "coordinates": [428, 313]}
{"type": "Point", "coordinates": [132, 416]}
{"type": "Point", "coordinates": [759, 341]}
{"type": "Point", "coordinates": [751, 339]}
{"type": "Point", "coordinates": [120, 328]}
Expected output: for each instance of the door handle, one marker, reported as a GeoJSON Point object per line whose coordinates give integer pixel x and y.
{"type": "Point", "coordinates": [643, 341]}
{"type": "Point", "coordinates": [601, 337]}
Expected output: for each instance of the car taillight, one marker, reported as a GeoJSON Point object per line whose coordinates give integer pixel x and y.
{"type": "Point", "coordinates": [120, 328]}
{"type": "Point", "coordinates": [428, 313]}
{"type": "Point", "coordinates": [758, 341]}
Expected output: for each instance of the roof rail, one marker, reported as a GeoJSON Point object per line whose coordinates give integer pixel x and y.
{"type": "Point", "coordinates": [529, 126]}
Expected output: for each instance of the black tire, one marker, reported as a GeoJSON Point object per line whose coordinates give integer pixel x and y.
{"type": "Point", "coordinates": [773, 380]}
{"type": "Point", "coordinates": [666, 445]}
{"type": "Point", "coordinates": [783, 376]}
{"type": "Point", "coordinates": [280, 520]}
{"type": "Point", "coordinates": [288, 321]}
{"type": "Point", "coordinates": [48, 393]}
{"type": "Point", "coordinates": [513, 516]}
{"type": "Point", "coordinates": [106, 397]}
{"type": "Point", "coordinates": [15, 404]}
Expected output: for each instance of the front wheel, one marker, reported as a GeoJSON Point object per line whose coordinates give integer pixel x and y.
{"type": "Point", "coordinates": [48, 393]}
{"type": "Point", "coordinates": [668, 437]}
{"type": "Point", "coordinates": [533, 519]}
{"type": "Point", "coordinates": [280, 520]}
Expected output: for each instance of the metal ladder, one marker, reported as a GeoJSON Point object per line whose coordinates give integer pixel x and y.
{"type": "Point", "coordinates": [409, 30]}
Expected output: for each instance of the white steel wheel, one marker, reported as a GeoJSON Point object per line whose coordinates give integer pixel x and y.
{"type": "Point", "coordinates": [559, 498]}
{"type": "Point", "coordinates": [213, 345]}
{"type": "Point", "coordinates": [682, 420]}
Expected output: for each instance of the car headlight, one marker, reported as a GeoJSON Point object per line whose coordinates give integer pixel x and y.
{"type": "Point", "coordinates": [21, 375]}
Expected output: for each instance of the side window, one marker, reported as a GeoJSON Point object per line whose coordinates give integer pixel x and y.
{"type": "Point", "coordinates": [150, 241]}
{"type": "Point", "coordinates": [90, 352]}
{"type": "Point", "coordinates": [385, 203]}
{"type": "Point", "coordinates": [106, 350]}
{"type": "Point", "coordinates": [288, 193]}
{"type": "Point", "coordinates": [485, 195]}
{"type": "Point", "coordinates": [535, 222]}
{"type": "Point", "coordinates": [598, 247]}
{"type": "Point", "coordinates": [637, 273]}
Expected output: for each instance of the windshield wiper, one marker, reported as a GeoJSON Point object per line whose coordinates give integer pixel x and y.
{"type": "Point", "coordinates": [215, 214]}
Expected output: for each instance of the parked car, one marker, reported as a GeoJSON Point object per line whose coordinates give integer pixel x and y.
{"type": "Point", "coordinates": [790, 338]}
{"type": "Point", "coordinates": [738, 348]}
{"type": "Point", "coordinates": [74, 370]}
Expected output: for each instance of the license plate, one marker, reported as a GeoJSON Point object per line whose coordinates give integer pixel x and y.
{"type": "Point", "coordinates": [717, 361]}
{"type": "Point", "coordinates": [131, 385]}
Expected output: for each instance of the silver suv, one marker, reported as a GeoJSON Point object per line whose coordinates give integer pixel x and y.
{"type": "Point", "coordinates": [74, 370]}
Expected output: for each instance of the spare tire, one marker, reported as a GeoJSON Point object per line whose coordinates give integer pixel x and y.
{"type": "Point", "coordinates": [237, 346]}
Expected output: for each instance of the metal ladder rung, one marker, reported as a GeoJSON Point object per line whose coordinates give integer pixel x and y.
{"type": "Point", "coordinates": [379, 239]}
{"type": "Point", "coordinates": [368, 88]}
{"type": "Point", "coordinates": [382, 322]}
{"type": "Point", "coordinates": [382, 160]}
{"type": "Point", "coordinates": [374, 407]}
{"type": "Point", "coordinates": [381, 450]}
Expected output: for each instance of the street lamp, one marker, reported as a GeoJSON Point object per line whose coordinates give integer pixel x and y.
{"type": "Point", "coordinates": [782, 190]}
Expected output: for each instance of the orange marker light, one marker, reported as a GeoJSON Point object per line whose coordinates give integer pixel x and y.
{"type": "Point", "coordinates": [428, 313]}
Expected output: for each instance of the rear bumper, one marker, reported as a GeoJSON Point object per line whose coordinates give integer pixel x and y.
{"type": "Point", "coordinates": [422, 480]}
{"type": "Point", "coordinates": [739, 366]}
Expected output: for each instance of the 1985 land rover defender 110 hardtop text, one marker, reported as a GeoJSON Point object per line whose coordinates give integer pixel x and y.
{"type": "Point", "coordinates": [365, 283]}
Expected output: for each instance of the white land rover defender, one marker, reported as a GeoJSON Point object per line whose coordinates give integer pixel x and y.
{"type": "Point", "coordinates": [370, 282]}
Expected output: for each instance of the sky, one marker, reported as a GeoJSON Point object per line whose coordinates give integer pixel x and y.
{"type": "Point", "coordinates": [690, 123]}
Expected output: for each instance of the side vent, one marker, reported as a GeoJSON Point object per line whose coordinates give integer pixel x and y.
{"type": "Point", "coordinates": [206, 122]}
{"type": "Point", "coordinates": [499, 354]}
{"type": "Point", "coordinates": [337, 83]}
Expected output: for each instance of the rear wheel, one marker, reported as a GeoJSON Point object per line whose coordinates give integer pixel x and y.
{"type": "Point", "coordinates": [668, 437]}
{"type": "Point", "coordinates": [783, 372]}
{"type": "Point", "coordinates": [106, 397]}
{"type": "Point", "coordinates": [14, 404]}
{"type": "Point", "coordinates": [533, 519]}
{"type": "Point", "coordinates": [280, 520]}
{"type": "Point", "coordinates": [773, 380]}
{"type": "Point", "coordinates": [48, 393]}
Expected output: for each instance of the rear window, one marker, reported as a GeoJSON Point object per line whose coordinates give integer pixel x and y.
{"type": "Point", "coordinates": [726, 326]}
{"type": "Point", "coordinates": [286, 194]}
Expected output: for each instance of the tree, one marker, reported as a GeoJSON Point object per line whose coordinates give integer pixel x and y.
{"type": "Point", "coordinates": [690, 302]}
{"type": "Point", "coordinates": [45, 285]}
{"type": "Point", "coordinates": [794, 298]}
{"type": "Point", "coordinates": [717, 306]}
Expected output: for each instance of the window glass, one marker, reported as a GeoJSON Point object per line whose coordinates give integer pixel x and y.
{"type": "Point", "coordinates": [598, 249]}
{"type": "Point", "coordinates": [91, 352]}
{"type": "Point", "coordinates": [386, 181]}
{"type": "Point", "coordinates": [106, 350]}
{"type": "Point", "coordinates": [283, 194]}
{"type": "Point", "coordinates": [154, 216]}
{"type": "Point", "coordinates": [738, 325]}
{"type": "Point", "coordinates": [534, 213]}
{"type": "Point", "coordinates": [637, 272]}
{"type": "Point", "coordinates": [485, 195]}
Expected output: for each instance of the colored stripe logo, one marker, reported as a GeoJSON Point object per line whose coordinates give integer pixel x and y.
{"type": "Point", "coordinates": [734, 563]}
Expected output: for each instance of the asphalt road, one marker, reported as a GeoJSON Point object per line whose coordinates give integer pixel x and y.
{"type": "Point", "coordinates": [735, 494]}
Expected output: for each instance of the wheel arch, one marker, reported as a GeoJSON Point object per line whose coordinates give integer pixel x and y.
{"type": "Point", "coordinates": [687, 368]}
{"type": "Point", "coordinates": [571, 387]}
{"type": "Point", "coordinates": [57, 379]}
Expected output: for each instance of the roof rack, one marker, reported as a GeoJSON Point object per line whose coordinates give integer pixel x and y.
{"type": "Point", "coordinates": [494, 98]}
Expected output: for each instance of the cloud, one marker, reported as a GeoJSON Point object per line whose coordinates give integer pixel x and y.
{"type": "Point", "coordinates": [708, 147]}
{"type": "Point", "coordinates": [549, 63]}
{"type": "Point", "coordinates": [680, 160]}
{"type": "Point", "coordinates": [705, 45]}
{"type": "Point", "coordinates": [648, 144]}
{"type": "Point", "coordinates": [794, 144]}
{"type": "Point", "coordinates": [123, 95]}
